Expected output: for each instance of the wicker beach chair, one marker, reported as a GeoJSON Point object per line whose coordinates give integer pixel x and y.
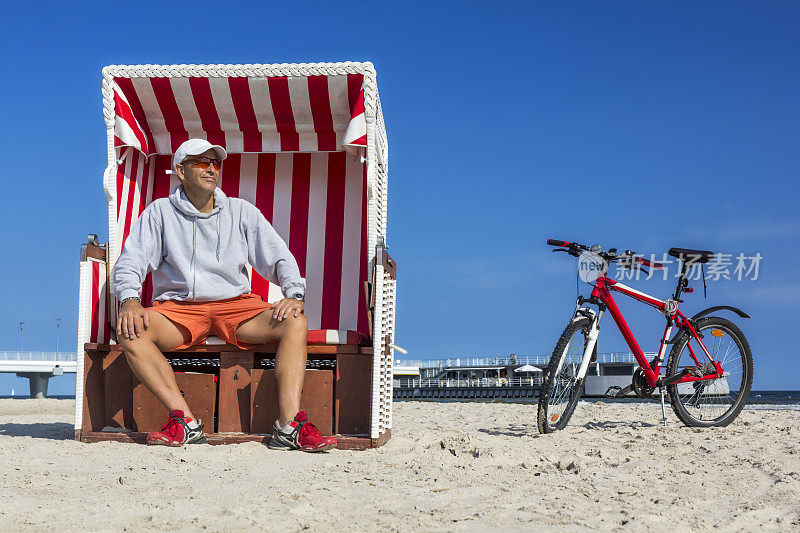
{"type": "Point", "coordinates": [307, 146]}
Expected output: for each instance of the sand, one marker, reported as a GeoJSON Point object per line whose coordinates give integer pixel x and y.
{"type": "Point", "coordinates": [458, 466]}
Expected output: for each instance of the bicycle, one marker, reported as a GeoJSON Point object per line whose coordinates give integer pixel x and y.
{"type": "Point", "coordinates": [707, 385]}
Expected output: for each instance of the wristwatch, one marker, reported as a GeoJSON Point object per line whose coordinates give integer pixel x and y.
{"type": "Point", "coordinates": [298, 296]}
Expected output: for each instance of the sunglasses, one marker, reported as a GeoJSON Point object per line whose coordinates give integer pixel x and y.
{"type": "Point", "coordinates": [204, 162]}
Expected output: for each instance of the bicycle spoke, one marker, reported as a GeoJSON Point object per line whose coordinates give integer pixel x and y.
{"type": "Point", "coordinates": [710, 400]}
{"type": "Point", "coordinates": [565, 380]}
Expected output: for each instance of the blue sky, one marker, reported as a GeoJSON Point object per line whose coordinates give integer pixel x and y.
{"type": "Point", "coordinates": [640, 125]}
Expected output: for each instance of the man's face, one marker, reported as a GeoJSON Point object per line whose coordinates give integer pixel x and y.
{"type": "Point", "coordinates": [195, 178]}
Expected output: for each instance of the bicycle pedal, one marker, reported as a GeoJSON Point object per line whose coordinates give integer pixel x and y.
{"type": "Point", "coordinates": [612, 391]}
{"type": "Point", "coordinates": [619, 392]}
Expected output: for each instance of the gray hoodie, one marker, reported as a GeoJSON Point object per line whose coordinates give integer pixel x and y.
{"type": "Point", "coordinates": [201, 257]}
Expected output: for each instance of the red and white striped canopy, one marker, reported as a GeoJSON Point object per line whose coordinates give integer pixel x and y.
{"type": "Point", "coordinates": [243, 114]}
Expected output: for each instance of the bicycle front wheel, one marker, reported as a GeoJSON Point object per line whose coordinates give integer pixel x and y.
{"type": "Point", "coordinates": [714, 402]}
{"type": "Point", "coordinates": [561, 388]}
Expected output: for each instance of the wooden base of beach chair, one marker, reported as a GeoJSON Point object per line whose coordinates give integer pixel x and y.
{"type": "Point", "coordinates": [345, 442]}
{"type": "Point", "coordinates": [321, 181]}
{"type": "Point", "coordinates": [233, 391]}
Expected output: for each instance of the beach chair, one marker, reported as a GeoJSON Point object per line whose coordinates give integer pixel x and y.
{"type": "Point", "coordinates": [307, 145]}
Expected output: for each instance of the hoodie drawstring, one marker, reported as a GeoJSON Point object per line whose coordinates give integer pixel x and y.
{"type": "Point", "coordinates": [218, 217]}
{"type": "Point", "coordinates": [194, 251]}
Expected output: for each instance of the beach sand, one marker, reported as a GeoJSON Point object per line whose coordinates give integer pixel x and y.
{"type": "Point", "coordinates": [461, 466]}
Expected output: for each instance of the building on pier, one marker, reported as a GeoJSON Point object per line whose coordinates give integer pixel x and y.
{"type": "Point", "coordinates": [500, 377]}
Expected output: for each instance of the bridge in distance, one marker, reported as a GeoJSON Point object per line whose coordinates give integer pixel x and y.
{"type": "Point", "coordinates": [38, 367]}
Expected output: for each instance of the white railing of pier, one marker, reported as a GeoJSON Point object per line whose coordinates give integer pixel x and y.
{"type": "Point", "coordinates": [38, 356]}
{"type": "Point", "coordinates": [613, 357]}
{"type": "Point", "coordinates": [408, 383]}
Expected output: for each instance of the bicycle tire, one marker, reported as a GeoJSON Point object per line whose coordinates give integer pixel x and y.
{"type": "Point", "coordinates": [722, 409]}
{"type": "Point", "coordinates": [560, 389]}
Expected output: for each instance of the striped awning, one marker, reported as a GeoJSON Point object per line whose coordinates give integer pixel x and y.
{"type": "Point", "coordinates": [243, 114]}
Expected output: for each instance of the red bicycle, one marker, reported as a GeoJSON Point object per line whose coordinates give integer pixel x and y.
{"type": "Point", "coordinates": [710, 368]}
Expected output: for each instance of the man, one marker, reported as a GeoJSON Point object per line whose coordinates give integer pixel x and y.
{"type": "Point", "coordinates": [197, 243]}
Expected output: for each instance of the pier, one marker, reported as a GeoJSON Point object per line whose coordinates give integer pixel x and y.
{"type": "Point", "coordinates": [38, 367]}
{"type": "Point", "coordinates": [483, 388]}
{"type": "Point", "coordinates": [501, 377]}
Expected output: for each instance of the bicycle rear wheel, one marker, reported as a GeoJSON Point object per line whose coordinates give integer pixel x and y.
{"type": "Point", "coordinates": [561, 388]}
{"type": "Point", "coordinates": [715, 402]}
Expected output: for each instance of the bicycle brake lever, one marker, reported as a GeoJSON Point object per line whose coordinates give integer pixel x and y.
{"type": "Point", "coordinates": [560, 250]}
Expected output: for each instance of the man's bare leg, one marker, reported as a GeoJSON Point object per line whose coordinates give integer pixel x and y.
{"type": "Point", "coordinates": [149, 364]}
{"type": "Point", "coordinates": [290, 361]}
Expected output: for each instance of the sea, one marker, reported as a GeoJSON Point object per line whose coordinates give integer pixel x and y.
{"type": "Point", "coordinates": [775, 399]}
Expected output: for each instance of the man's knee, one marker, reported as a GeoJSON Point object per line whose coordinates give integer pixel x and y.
{"type": "Point", "coordinates": [129, 346]}
{"type": "Point", "coordinates": [296, 324]}
{"type": "Point", "coordinates": [161, 333]}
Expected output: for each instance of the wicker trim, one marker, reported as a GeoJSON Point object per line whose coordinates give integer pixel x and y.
{"type": "Point", "coordinates": [84, 314]}
{"type": "Point", "coordinates": [240, 70]}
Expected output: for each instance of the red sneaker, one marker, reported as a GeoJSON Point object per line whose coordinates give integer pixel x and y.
{"type": "Point", "coordinates": [300, 434]}
{"type": "Point", "coordinates": [177, 432]}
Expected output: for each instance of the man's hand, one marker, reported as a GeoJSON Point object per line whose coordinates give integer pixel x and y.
{"type": "Point", "coordinates": [287, 306]}
{"type": "Point", "coordinates": [133, 320]}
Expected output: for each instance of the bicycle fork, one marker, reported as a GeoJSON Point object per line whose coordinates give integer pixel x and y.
{"type": "Point", "coordinates": [591, 340]}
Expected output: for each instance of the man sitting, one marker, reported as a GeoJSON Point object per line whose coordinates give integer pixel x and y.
{"type": "Point", "coordinates": [197, 243]}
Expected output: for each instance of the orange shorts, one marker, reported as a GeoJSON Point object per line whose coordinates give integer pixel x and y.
{"type": "Point", "coordinates": [221, 317]}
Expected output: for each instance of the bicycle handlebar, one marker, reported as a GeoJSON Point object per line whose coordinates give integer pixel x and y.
{"type": "Point", "coordinates": [651, 264]}
{"type": "Point", "coordinates": [567, 244]}
{"type": "Point", "coordinates": [574, 249]}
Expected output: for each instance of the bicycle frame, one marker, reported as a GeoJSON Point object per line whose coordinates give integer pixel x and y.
{"type": "Point", "coordinates": [601, 295]}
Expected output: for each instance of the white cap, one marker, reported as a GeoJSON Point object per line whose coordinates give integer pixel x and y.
{"type": "Point", "coordinates": [196, 147]}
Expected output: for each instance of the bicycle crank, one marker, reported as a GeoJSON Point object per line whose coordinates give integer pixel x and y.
{"type": "Point", "coordinates": [640, 386]}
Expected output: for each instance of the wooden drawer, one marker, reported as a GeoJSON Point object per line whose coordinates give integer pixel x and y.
{"type": "Point", "coordinates": [128, 403]}
{"type": "Point", "coordinates": [199, 391]}
{"type": "Point", "coordinates": [316, 400]}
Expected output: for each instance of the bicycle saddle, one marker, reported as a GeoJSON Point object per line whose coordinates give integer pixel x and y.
{"type": "Point", "coordinates": [698, 256]}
